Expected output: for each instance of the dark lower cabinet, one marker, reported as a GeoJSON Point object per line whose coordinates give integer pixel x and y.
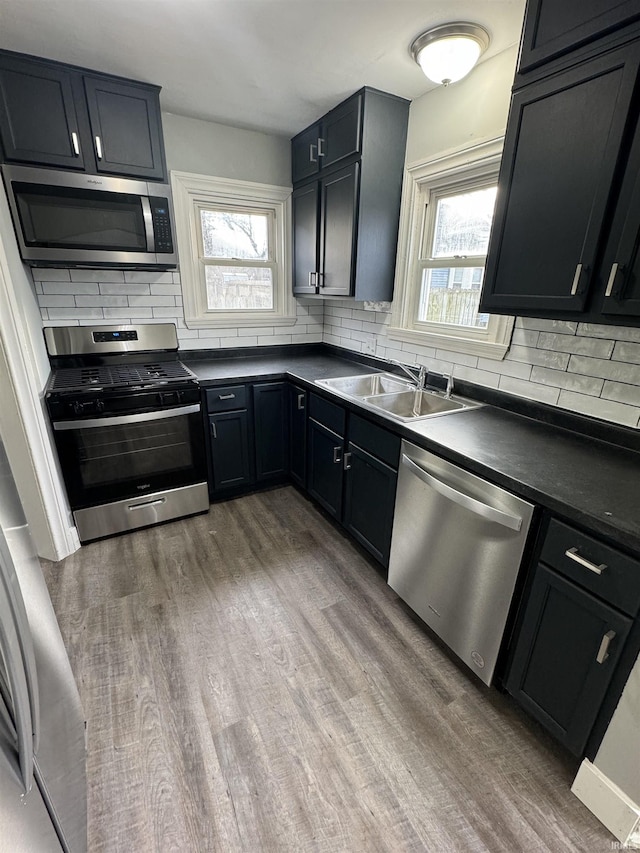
{"type": "Point", "coordinates": [230, 450]}
{"type": "Point", "coordinates": [298, 435]}
{"type": "Point", "coordinates": [369, 501]}
{"type": "Point", "coordinates": [271, 433]}
{"type": "Point", "coordinates": [324, 475]}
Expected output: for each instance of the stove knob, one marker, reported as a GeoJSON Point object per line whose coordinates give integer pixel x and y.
{"type": "Point", "coordinates": [99, 406]}
{"type": "Point", "coordinates": [78, 408]}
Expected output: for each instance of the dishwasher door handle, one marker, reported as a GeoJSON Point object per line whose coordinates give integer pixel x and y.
{"type": "Point", "coordinates": [513, 522]}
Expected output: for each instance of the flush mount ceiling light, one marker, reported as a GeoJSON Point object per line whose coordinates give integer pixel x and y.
{"type": "Point", "coordinates": [447, 53]}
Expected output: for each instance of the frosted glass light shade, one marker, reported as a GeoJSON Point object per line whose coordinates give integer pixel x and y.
{"type": "Point", "coordinates": [447, 53]}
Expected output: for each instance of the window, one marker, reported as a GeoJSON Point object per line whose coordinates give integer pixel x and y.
{"type": "Point", "coordinates": [233, 248]}
{"type": "Point", "coordinates": [447, 221]}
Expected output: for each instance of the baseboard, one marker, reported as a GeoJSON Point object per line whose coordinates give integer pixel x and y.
{"type": "Point", "coordinates": [609, 804]}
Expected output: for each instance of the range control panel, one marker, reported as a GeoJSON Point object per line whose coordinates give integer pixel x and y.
{"type": "Point", "coordinates": [108, 337]}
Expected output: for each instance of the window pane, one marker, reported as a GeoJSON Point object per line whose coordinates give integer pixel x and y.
{"type": "Point", "coordinates": [239, 288]}
{"type": "Point", "coordinates": [452, 296]}
{"type": "Point", "coordinates": [463, 223]}
{"type": "Point", "coordinates": [226, 234]}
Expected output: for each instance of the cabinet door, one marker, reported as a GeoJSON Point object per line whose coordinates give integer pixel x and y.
{"type": "Point", "coordinates": [369, 501]}
{"type": "Point", "coordinates": [230, 454]}
{"type": "Point", "coordinates": [271, 429]}
{"type": "Point", "coordinates": [38, 120]}
{"type": "Point", "coordinates": [298, 435]}
{"type": "Point", "coordinates": [126, 127]}
{"type": "Point", "coordinates": [552, 27]}
{"type": "Point", "coordinates": [324, 472]}
{"type": "Point", "coordinates": [563, 145]}
{"type": "Point", "coordinates": [341, 132]}
{"type": "Point", "coordinates": [305, 205]}
{"type": "Point", "coordinates": [304, 154]}
{"type": "Point", "coordinates": [338, 222]}
{"type": "Point", "coordinates": [565, 655]}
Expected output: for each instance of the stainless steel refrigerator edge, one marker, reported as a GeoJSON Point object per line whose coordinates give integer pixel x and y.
{"type": "Point", "coordinates": [43, 792]}
{"type": "Point", "coordinates": [456, 550]}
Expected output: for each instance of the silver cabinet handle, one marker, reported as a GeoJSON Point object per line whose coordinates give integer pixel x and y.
{"type": "Point", "coordinates": [347, 461]}
{"type": "Point", "coordinates": [337, 455]}
{"type": "Point", "coordinates": [572, 554]}
{"type": "Point", "coordinates": [98, 148]}
{"type": "Point", "coordinates": [603, 651]}
{"type": "Point", "coordinates": [213, 430]}
{"type": "Point", "coordinates": [613, 275]}
{"type": "Point", "coordinates": [321, 153]}
{"type": "Point", "coordinates": [226, 396]}
{"type": "Point", "coordinates": [119, 420]}
{"type": "Point", "coordinates": [311, 155]}
{"type": "Point", "coordinates": [147, 503]}
{"type": "Point", "coordinates": [301, 402]}
{"type": "Point", "coordinates": [576, 280]}
{"type": "Point", "coordinates": [513, 522]}
{"type": "Point", "coordinates": [74, 142]}
{"type": "Point", "coordinates": [313, 279]}
{"type": "Point", "coordinates": [13, 624]}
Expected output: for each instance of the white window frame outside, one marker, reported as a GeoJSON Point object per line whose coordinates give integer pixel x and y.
{"type": "Point", "coordinates": [191, 194]}
{"type": "Point", "coordinates": [463, 171]}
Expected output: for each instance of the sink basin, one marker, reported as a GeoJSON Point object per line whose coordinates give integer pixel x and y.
{"type": "Point", "coordinates": [365, 385]}
{"type": "Point", "coordinates": [409, 405]}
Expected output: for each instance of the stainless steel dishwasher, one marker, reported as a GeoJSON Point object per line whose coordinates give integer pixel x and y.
{"type": "Point", "coordinates": [456, 550]}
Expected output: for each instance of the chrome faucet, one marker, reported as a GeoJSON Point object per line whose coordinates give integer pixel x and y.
{"type": "Point", "coordinates": [449, 391]}
{"type": "Point", "coordinates": [417, 372]}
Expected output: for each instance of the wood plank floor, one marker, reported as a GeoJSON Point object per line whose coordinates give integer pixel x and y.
{"type": "Point", "coordinates": [252, 684]}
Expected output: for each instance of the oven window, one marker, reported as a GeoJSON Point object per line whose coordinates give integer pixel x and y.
{"type": "Point", "coordinates": [57, 217]}
{"type": "Point", "coordinates": [133, 451]}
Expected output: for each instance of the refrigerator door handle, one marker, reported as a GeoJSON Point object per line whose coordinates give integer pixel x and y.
{"type": "Point", "coordinates": [13, 642]}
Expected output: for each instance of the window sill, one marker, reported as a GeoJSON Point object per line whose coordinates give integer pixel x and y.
{"type": "Point", "coordinates": [483, 348]}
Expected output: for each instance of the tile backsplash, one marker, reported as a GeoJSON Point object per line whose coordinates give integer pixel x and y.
{"type": "Point", "coordinates": [585, 368]}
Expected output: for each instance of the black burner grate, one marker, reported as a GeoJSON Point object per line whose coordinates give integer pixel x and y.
{"type": "Point", "coordinates": [113, 376]}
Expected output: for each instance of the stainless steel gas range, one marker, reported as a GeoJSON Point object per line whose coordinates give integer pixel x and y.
{"type": "Point", "coordinates": [127, 425]}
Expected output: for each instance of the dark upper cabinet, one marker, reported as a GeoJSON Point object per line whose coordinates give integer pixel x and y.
{"type": "Point", "coordinates": [230, 451]}
{"type": "Point", "coordinates": [271, 430]}
{"type": "Point", "coordinates": [126, 127]}
{"type": "Point", "coordinates": [357, 183]}
{"type": "Point", "coordinates": [553, 28]}
{"type": "Point", "coordinates": [559, 182]}
{"type": "Point", "coordinates": [567, 650]}
{"type": "Point", "coordinates": [38, 120]}
{"type": "Point", "coordinates": [298, 435]}
{"type": "Point", "coordinates": [65, 117]}
{"type": "Point", "coordinates": [305, 203]}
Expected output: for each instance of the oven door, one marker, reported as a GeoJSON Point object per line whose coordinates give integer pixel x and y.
{"type": "Point", "coordinates": [113, 458]}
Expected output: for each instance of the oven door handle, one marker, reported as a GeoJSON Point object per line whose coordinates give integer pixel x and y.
{"type": "Point", "coordinates": [119, 420]}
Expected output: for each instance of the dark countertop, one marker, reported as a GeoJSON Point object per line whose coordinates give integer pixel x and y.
{"type": "Point", "coordinates": [588, 481]}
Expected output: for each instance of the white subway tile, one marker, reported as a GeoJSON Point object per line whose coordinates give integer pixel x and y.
{"type": "Point", "coordinates": [255, 331]}
{"type": "Point", "coordinates": [541, 393]}
{"type": "Point", "coordinates": [50, 275]}
{"type": "Point", "coordinates": [153, 301]}
{"type": "Point", "coordinates": [175, 276]}
{"type": "Point", "coordinates": [598, 408]}
{"type": "Point", "coordinates": [374, 328]}
{"type": "Point", "coordinates": [457, 357]}
{"type": "Point", "coordinates": [562, 327]}
{"type": "Point", "coordinates": [101, 301]}
{"type": "Point", "coordinates": [622, 393]}
{"type": "Point", "coordinates": [97, 275]}
{"type": "Point", "coordinates": [51, 322]}
{"type": "Point", "coordinates": [545, 358]}
{"type": "Point", "coordinates": [67, 287]}
{"type": "Point", "coordinates": [595, 347]}
{"type": "Point", "coordinates": [421, 353]}
{"type": "Point", "coordinates": [75, 313]}
{"type": "Point", "coordinates": [226, 342]}
{"type": "Point", "coordinates": [331, 339]}
{"type": "Point", "coordinates": [47, 301]}
{"type": "Point", "coordinates": [618, 333]}
{"type": "Point", "coordinates": [166, 312]}
{"type": "Point", "coordinates": [352, 324]}
{"type": "Point", "coordinates": [618, 371]}
{"type": "Point", "coordinates": [201, 343]}
{"type": "Point", "coordinates": [361, 314]}
{"type": "Point", "coordinates": [273, 340]}
{"type": "Point", "coordinates": [128, 289]}
{"type": "Point", "coordinates": [44, 314]}
{"type": "Point", "coordinates": [178, 300]}
{"type": "Point", "coordinates": [525, 337]}
{"type": "Point", "coordinates": [149, 277]}
{"type": "Point", "coordinates": [307, 338]}
{"type": "Point", "coordinates": [384, 319]}
{"type": "Point", "coordinates": [517, 369]}
{"type": "Point", "coordinates": [38, 287]}
{"type": "Point", "coordinates": [166, 289]}
{"type": "Point", "coordinates": [442, 366]}
{"type": "Point", "coordinates": [479, 377]}
{"type": "Point", "coordinates": [571, 381]}
{"type": "Point", "coordinates": [183, 334]}
{"type": "Point", "coordinates": [625, 351]}
{"type": "Point", "coordinates": [346, 313]}
{"type": "Point", "coordinates": [125, 313]}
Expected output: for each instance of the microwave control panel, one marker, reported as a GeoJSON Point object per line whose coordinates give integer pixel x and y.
{"type": "Point", "coordinates": [161, 224]}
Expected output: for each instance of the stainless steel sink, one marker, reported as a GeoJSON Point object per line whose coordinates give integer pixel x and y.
{"type": "Point", "coordinates": [365, 385]}
{"type": "Point", "coordinates": [388, 394]}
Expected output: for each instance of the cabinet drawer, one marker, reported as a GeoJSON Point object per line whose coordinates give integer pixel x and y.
{"type": "Point", "coordinates": [228, 398]}
{"type": "Point", "coordinates": [617, 579]}
{"type": "Point", "coordinates": [328, 414]}
{"type": "Point", "coordinates": [377, 441]}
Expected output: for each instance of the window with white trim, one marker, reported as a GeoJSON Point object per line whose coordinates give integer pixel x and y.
{"type": "Point", "coordinates": [234, 252]}
{"type": "Point", "coordinates": [447, 220]}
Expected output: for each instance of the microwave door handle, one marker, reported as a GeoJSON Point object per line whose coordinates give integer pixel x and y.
{"type": "Point", "coordinates": [20, 709]}
{"type": "Point", "coordinates": [148, 223]}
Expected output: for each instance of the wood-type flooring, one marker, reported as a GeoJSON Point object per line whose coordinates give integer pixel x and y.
{"type": "Point", "coordinates": [252, 684]}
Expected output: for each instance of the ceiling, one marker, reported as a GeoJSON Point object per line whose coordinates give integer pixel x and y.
{"type": "Point", "coordinates": [269, 65]}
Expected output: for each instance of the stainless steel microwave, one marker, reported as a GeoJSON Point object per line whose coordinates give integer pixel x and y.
{"type": "Point", "coordinates": [64, 219]}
